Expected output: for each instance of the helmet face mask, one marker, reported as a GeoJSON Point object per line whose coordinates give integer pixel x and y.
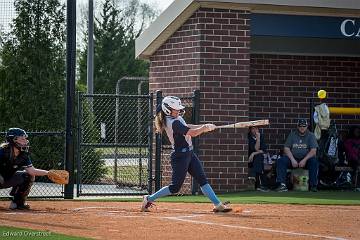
{"type": "Point", "coordinates": [170, 103]}
{"type": "Point", "coordinates": [17, 137]}
{"type": "Point", "coordinates": [182, 112]}
{"type": "Point", "coordinates": [22, 143]}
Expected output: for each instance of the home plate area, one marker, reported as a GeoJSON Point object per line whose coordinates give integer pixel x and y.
{"type": "Point", "coordinates": [123, 220]}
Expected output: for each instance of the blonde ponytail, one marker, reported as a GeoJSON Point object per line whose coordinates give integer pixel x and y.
{"type": "Point", "coordinates": [160, 122]}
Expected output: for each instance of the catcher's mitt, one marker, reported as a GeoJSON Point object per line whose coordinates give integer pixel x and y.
{"type": "Point", "coordinates": [59, 176]}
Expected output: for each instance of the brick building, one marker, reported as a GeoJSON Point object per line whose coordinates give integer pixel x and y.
{"type": "Point", "coordinates": [253, 60]}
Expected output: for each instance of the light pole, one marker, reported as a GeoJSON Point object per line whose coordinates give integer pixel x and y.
{"type": "Point", "coordinates": [90, 55]}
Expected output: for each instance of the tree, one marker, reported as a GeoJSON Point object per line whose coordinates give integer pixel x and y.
{"type": "Point", "coordinates": [32, 69]}
{"type": "Point", "coordinates": [115, 32]}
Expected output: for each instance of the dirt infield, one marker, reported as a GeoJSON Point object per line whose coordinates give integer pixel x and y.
{"type": "Point", "coordinates": [122, 220]}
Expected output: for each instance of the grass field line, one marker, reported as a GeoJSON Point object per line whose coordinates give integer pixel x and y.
{"type": "Point", "coordinates": [256, 229]}
{"type": "Point", "coordinates": [303, 210]}
{"type": "Point", "coordinates": [326, 210]}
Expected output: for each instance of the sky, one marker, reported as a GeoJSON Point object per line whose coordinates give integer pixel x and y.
{"type": "Point", "coordinates": [7, 9]}
{"type": "Point", "coordinates": [161, 4]}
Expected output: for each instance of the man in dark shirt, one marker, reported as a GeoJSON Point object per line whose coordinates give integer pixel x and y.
{"type": "Point", "coordinates": [16, 169]}
{"type": "Point", "coordinates": [299, 152]}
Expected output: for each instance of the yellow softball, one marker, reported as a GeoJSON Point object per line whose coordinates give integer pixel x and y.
{"type": "Point", "coordinates": [321, 94]}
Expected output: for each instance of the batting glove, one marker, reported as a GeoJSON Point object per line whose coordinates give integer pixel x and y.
{"type": "Point", "coordinates": [210, 127]}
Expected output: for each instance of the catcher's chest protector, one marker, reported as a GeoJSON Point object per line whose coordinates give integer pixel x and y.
{"type": "Point", "coordinates": [8, 164]}
{"type": "Point", "coordinates": [5, 161]}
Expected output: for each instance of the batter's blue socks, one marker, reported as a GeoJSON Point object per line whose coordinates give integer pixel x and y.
{"type": "Point", "coordinates": [209, 192]}
{"type": "Point", "coordinates": [161, 193]}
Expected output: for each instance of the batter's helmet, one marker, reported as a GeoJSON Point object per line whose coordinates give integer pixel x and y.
{"type": "Point", "coordinates": [11, 137]}
{"type": "Point", "coordinates": [169, 103]}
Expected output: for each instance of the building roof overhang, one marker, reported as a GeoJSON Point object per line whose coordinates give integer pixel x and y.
{"type": "Point", "coordinates": [181, 10]}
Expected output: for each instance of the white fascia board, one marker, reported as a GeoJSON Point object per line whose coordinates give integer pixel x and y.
{"type": "Point", "coordinates": [340, 4]}
{"type": "Point", "coordinates": [169, 20]}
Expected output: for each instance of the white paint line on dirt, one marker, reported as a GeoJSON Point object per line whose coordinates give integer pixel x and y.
{"type": "Point", "coordinates": [188, 216]}
{"type": "Point", "coordinates": [85, 208]}
{"type": "Point", "coordinates": [184, 210]}
{"type": "Point", "coordinates": [256, 229]}
{"type": "Point", "coordinates": [311, 210]}
{"type": "Point", "coordinates": [133, 216]}
{"type": "Point", "coordinates": [31, 213]}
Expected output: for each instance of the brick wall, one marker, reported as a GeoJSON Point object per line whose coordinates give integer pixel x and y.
{"type": "Point", "coordinates": [281, 88]}
{"type": "Point", "coordinates": [175, 66]}
{"type": "Point", "coordinates": [224, 85]}
{"type": "Point", "coordinates": [210, 52]}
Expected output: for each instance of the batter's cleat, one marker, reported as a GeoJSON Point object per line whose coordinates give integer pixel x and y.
{"type": "Point", "coordinates": [146, 204]}
{"type": "Point", "coordinates": [263, 189]}
{"type": "Point", "coordinates": [222, 207]}
{"type": "Point", "coordinates": [14, 206]}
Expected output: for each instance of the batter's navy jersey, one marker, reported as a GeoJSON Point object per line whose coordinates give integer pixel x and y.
{"type": "Point", "coordinates": [8, 167]}
{"type": "Point", "coordinates": [176, 129]}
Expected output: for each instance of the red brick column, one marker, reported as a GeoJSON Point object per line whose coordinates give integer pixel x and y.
{"type": "Point", "coordinates": [224, 84]}
{"type": "Point", "coordinates": [210, 52]}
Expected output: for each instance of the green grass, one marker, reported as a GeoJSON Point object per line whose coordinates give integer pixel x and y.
{"type": "Point", "coordinates": [22, 233]}
{"type": "Point", "coordinates": [252, 197]}
{"type": "Point", "coordinates": [123, 150]}
{"type": "Point", "coordinates": [331, 198]}
{"type": "Point", "coordinates": [128, 174]}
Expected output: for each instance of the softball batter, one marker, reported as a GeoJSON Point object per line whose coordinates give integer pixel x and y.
{"type": "Point", "coordinates": [183, 159]}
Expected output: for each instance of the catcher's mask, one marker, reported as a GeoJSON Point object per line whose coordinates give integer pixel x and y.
{"type": "Point", "coordinates": [172, 103]}
{"type": "Point", "coordinates": [17, 137]}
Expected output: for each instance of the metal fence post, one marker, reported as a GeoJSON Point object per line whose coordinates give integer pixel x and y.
{"type": "Point", "coordinates": [311, 127]}
{"type": "Point", "coordinates": [150, 142]}
{"type": "Point", "coordinates": [70, 94]}
{"type": "Point", "coordinates": [158, 142]}
{"type": "Point", "coordinates": [117, 104]}
{"type": "Point", "coordinates": [139, 131]}
{"type": "Point", "coordinates": [78, 148]}
{"type": "Point", "coordinates": [195, 120]}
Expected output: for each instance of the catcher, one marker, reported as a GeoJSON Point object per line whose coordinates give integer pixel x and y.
{"type": "Point", "coordinates": [16, 169]}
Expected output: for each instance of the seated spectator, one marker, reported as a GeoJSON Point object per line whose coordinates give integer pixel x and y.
{"type": "Point", "coordinates": [299, 152]}
{"type": "Point", "coordinates": [352, 147]}
{"type": "Point", "coordinates": [257, 149]}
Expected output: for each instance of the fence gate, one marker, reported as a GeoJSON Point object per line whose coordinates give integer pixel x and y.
{"type": "Point", "coordinates": [114, 144]}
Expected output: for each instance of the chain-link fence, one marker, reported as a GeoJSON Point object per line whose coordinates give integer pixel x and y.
{"type": "Point", "coordinates": [115, 135]}
{"type": "Point", "coordinates": [46, 152]}
{"type": "Point", "coordinates": [7, 14]}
